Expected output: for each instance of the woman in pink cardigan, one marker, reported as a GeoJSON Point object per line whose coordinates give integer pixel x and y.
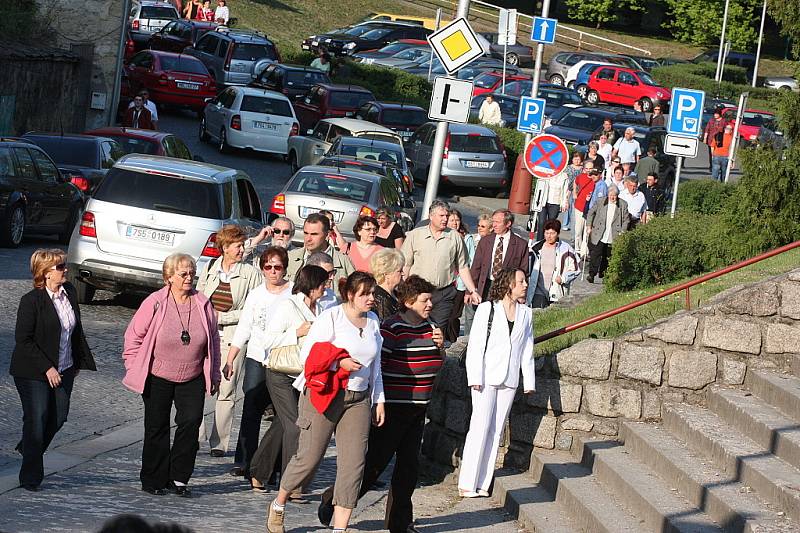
{"type": "Point", "coordinates": [171, 358]}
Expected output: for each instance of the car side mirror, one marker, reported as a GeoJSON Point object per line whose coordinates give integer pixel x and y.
{"type": "Point", "coordinates": [210, 100]}
{"type": "Point", "coordinates": [61, 178]}
{"type": "Point", "coordinates": [410, 163]}
{"type": "Point", "coordinates": [309, 132]}
{"type": "Point", "coordinates": [307, 100]}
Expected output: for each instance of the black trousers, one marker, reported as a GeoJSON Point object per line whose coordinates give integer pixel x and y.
{"type": "Point", "coordinates": [598, 258]}
{"type": "Point", "coordinates": [160, 463]}
{"type": "Point", "coordinates": [454, 323]}
{"type": "Point", "coordinates": [443, 300]}
{"type": "Point", "coordinates": [44, 411]}
{"type": "Point", "coordinates": [279, 444]}
{"type": "Point", "coordinates": [548, 212]}
{"type": "Point", "coordinates": [256, 400]}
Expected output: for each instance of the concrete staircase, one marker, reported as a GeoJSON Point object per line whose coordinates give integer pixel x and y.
{"type": "Point", "coordinates": [731, 466]}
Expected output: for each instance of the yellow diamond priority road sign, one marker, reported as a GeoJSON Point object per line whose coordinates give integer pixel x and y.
{"type": "Point", "coordinates": [456, 45]}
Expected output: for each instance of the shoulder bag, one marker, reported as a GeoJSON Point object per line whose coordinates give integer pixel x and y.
{"type": "Point", "coordinates": [286, 359]}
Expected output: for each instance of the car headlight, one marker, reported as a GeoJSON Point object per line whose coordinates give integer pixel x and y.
{"type": "Point", "coordinates": [328, 40]}
{"type": "Point", "coordinates": [349, 46]}
{"type": "Point", "coordinates": [753, 137]}
{"type": "Point", "coordinates": [660, 95]}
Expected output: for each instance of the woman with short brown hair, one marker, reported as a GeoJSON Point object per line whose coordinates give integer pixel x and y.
{"type": "Point", "coordinates": [361, 251]}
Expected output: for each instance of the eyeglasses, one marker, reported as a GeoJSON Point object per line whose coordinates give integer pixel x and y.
{"type": "Point", "coordinates": [370, 229]}
{"type": "Point", "coordinates": [61, 267]}
{"type": "Point", "coordinates": [331, 274]}
{"type": "Point", "coordinates": [282, 232]}
{"type": "Point", "coordinates": [189, 274]}
{"type": "Point", "coordinates": [276, 268]}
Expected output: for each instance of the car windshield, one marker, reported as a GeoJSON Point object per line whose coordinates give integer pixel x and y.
{"type": "Point", "coordinates": [408, 54]}
{"type": "Point", "coordinates": [161, 193]}
{"type": "Point", "coordinates": [266, 105]}
{"type": "Point", "coordinates": [474, 143]}
{"type": "Point", "coordinates": [252, 52]}
{"type": "Point", "coordinates": [404, 117]}
{"type": "Point", "coordinates": [350, 100]}
{"type": "Point", "coordinates": [519, 87]}
{"type": "Point", "coordinates": [393, 48]}
{"type": "Point", "coordinates": [331, 185]}
{"type": "Point", "coordinates": [581, 121]}
{"type": "Point", "coordinates": [486, 80]}
{"type": "Point", "coordinates": [374, 153]}
{"type": "Point", "coordinates": [306, 77]}
{"type": "Point", "coordinates": [357, 30]}
{"type": "Point", "coordinates": [183, 64]}
{"type": "Point", "coordinates": [754, 118]}
{"type": "Point", "coordinates": [509, 106]}
{"type": "Point", "coordinates": [377, 33]}
{"type": "Point", "coordinates": [131, 145]}
{"type": "Point", "coordinates": [646, 79]}
{"type": "Point", "coordinates": [558, 98]}
{"type": "Point", "coordinates": [155, 12]}
{"type": "Point", "coordinates": [64, 151]}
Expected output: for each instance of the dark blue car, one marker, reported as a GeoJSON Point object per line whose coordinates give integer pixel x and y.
{"type": "Point", "coordinates": [556, 97]}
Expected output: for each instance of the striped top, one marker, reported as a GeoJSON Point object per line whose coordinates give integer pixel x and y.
{"type": "Point", "coordinates": [221, 298]}
{"type": "Point", "coordinates": [409, 361]}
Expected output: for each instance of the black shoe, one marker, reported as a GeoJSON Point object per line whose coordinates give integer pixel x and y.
{"type": "Point", "coordinates": [180, 490]}
{"type": "Point", "coordinates": [18, 448]}
{"type": "Point", "coordinates": [237, 471]}
{"type": "Point", "coordinates": [217, 453]}
{"type": "Point", "coordinates": [590, 278]}
{"type": "Point", "coordinates": [153, 491]}
{"type": "Point", "coordinates": [325, 509]}
{"type": "Point", "coordinates": [31, 488]}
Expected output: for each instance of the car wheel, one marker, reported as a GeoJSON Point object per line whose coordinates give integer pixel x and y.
{"type": "Point", "coordinates": [203, 133]}
{"type": "Point", "coordinates": [13, 227]}
{"type": "Point", "coordinates": [557, 79]}
{"type": "Point", "coordinates": [592, 97]}
{"type": "Point", "coordinates": [785, 88]}
{"type": "Point", "coordinates": [84, 291]}
{"type": "Point", "coordinates": [223, 147]}
{"type": "Point", "coordinates": [512, 58]}
{"type": "Point", "coordinates": [571, 85]}
{"type": "Point", "coordinates": [647, 105]}
{"type": "Point", "coordinates": [65, 235]}
{"type": "Point", "coordinates": [293, 162]}
{"type": "Point", "coordinates": [582, 90]}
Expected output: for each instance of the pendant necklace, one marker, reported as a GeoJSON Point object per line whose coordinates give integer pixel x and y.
{"type": "Point", "coordinates": [185, 337]}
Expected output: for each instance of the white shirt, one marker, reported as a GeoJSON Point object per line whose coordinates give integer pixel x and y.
{"type": "Point", "coordinates": [66, 315]}
{"type": "Point", "coordinates": [328, 300]}
{"type": "Point", "coordinates": [608, 237]}
{"type": "Point", "coordinates": [489, 113]}
{"type": "Point", "coordinates": [557, 189]}
{"type": "Point", "coordinates": [150, 106]}
{"type": "Point", "coordinates": [222, 12]}
{"type": "Point", "coordinates": [259, 307]}
{"type": "Point", "coordinates": [364, 346]}
{"type": "Point", "coordinates": [637, 203]}
{"type": "Point", "coordinates": [506, 237]}
{"type": "Point", "coordinates": [627, 150]}
{"type": "Point", "coordinates": [605, 151]}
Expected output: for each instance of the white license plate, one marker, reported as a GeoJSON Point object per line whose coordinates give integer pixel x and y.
{"type": "Point", "coordinates": [239, 67]}
{"type": "Point", "coordinates": [265, 125]}
{"type": "Point", "coordinates": [187, 85]}
{"type": "Point", "coordinates": [314, 43]}
{"type": "Point", "coordinates": [305, 47]}
{"type": "Point", "coordinates": [405, 134]}
{"type": "Point", "coordinates": [477, 164]}
{"type": "Point", "coordinates": [305, 211]}
{"type": "Point", "coordinates": [166, 238]}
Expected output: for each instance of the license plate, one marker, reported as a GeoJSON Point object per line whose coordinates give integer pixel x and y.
{"type": "Point", "coordinates": [238, 67]}
{"type": "Point", "coordinates": [305, 47]}
{"type": "Point", "coordinates": [305, 211]}
{"type": "Point", "coordinates": [314, 43]}
{"type": "Point", "coordinates": [405, 134]}
{"type": "Point", "coordinates": [166, 238]}
{"type": "Point", "coordinates": [477, 164]}
{"type": "Point", "coordinates": [265, 125]}
{"type": "Point", "coordinates": [187, 85]}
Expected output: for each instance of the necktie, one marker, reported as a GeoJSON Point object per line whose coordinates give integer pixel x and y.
{"type": "Point", "coordinates": [497, 263]}
{"type": "Point", "coordinates": [136, 118]}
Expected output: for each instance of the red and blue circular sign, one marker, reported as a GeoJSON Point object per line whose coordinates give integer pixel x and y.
{"type": "Point", "coordinates": [546, 156]}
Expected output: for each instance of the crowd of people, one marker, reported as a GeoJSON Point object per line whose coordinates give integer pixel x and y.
{"type": "Point", "coordinates": [203, 10]}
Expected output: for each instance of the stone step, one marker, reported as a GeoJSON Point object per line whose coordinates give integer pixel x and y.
{"type": "Point", "coordinates": [775, 480]}
{"type": "Point", "coordinates": [638, 487]}
{"type": "Point", "coordinates": [580, 494]}
{"type": "Point", "coordinates": [531, 504]}
{"type": "Point", "coordinates": [779, 390]}
{"type": "Point", "coordinates": [796, 365]}
{"type": "Point", "coordinates": [763, 423]}
{"type": "Point", "coordinates": [720, 495]}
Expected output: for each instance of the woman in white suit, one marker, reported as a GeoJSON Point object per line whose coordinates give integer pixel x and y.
{"type": "Point", "coordinates": [500, 345]}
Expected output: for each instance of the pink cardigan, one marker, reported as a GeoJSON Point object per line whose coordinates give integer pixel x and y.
{"type": "Point", "coordinates": [140, 337]}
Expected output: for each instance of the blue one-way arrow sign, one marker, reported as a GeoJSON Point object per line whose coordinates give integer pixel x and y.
{"type": "Point", "coordinates": [544, 30]}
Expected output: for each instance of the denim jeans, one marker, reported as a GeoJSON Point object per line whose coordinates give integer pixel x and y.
{"type": "Point", "coordinates": [44, 411]}
{"type": "Point", "coordinates": [719, 165]}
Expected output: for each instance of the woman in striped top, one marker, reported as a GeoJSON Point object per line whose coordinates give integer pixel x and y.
{"type": "Point", "coordinates": [411, 357]}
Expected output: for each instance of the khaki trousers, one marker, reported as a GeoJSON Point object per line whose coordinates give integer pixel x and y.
{"type": "Point", "coordinates": [349, 415]}
{"type": "Point", "coordinates": [226, 403]}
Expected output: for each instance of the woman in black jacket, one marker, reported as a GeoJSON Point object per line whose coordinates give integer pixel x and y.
{"type": "Point", "coordinates": [50, 349]}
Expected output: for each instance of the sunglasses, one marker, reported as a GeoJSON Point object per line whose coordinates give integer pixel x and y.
{"type": "Point", "coordinates": [61, 267]}
{"type": "Point", "coordinates": [184, 275]}
{"type": "Point", "coordinates": [276, 268]}
{"type": "Point", "coordinates": [282, 232]}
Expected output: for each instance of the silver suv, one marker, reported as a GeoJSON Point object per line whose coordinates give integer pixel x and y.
{"type": "Point", "coordinates": [147, 17]}
{"type": "Point", "coordinates": [560, 63]}
{"type": "Point", "coordinates": [148, 207]}
{"type": "Point", "coordinates": [234, 57]}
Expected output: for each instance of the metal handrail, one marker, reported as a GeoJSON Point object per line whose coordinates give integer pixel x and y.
{"type": "Point", "coordinates": [666, 292]}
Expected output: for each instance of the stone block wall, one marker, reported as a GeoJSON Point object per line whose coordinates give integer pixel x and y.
{"type": "Point", "coordinates": [588, 387]}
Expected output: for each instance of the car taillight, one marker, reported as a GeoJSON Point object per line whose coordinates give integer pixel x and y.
{"type": "Point", "coordinates": [285, 91]}
{"type": "Point", "coordinates": [162, 80]}
{"type": "Point", "coordinates": [87, 225]}
{"type": "Point", "coordinates": [446, 146]}
{"type": "Point", "coordinates": [236, 122]}
{"type": "Point", "coordinates": [278, 204]}
{"type": "Point", "coordinates": [366, 211]}
{"type": "Point", "coordinates": [210, 249]}
{"type": "Point", "coordinates": [135, 25]}
{"type": "Point", "coordinates": [80, 182]}
{"type": "Point", "coordinates": [502, 149]}
{"type": "Point", "coordinates": [295, 130]}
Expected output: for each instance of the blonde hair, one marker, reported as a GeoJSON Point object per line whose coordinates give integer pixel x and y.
{"type": "Point", "coordinates": [230, 234]}
{"type": "Point", "coordinates": [42, 261]}
{"type": "Point", "coordinates": [173, 261]}
{"type": "Point", "coordinates": [385, 262]}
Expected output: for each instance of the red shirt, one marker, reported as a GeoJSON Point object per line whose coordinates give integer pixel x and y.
{"type": "Point", "coordinates": [584, 185]}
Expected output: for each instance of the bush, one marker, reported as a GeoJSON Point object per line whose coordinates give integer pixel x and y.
{"type": "Point", "coordinates": [387, 84]}
{"type": "Point", "coordinates": [295, 56]}
{"type": "Point", "coordinates": [701, 77]}
{"type": "Point", "coordinates": [703, 197]}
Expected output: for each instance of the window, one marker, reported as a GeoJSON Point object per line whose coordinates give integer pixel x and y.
{"type": "Point", "coordinates": [335, 132]}
{"type": "Point", "coordinates": [131, 145]}
{"type": "Point", "coordinates": [223, 48]}
{"type": "Point", "coordinates": [266, 105]}
{"type": "Point", "coordinates": [581, 121]}
{"type": "Point", "coordinates": [351, 100]}
{"type": "Point", "coordinates": [314, 98]}
{"type": "Point", "coordinates": [106, 159]}
{"type": "Point", "coordinates": [476, 144]}
{"type": "Point", "coordinates": [389, 194]}
{"type": "Point", "coordinates": [227, 97]}
{"type": "Point", "coordinates": [181, 150]}
{"type": "Point", "coordinates": [208, 44]}
{"type": "Point", "coordinates": [157, 12]}
{"type": "Point", "coordinates": [306, 77]}
{"type": "Point", "coordinates": [69, 151]}
{"type": "Point", "coordinates": [331, 185]}
{"type": "Point", "coordinates": [606, 74]}
{"type": "Point", "coordinates": [246, 207]}
{"type": "Point", "coordinates": [373, 115]}
{"type": "Point", "coordinates": [573, 59]}
{"type": "Point", "coordinates": [6, 163]}
{"type": "Point", "coordinates": [27, 169]}
{"type": "Point", "coordinates": [377, 33]}
{"type": "Point", "coordinates": [253, 52]}
{"type": "Point", "coordinates": [187, 64]}
{"type": "Point", "coordinates": [171, 29]}
{"type": "Point", "coordinates": [47, 170]}
{"type": "Point", "coordinates": [321, 130]}
{"type": "Point", "coordinates": [627, 78]}
{"type": "Point", "coordinates": [486, 80]}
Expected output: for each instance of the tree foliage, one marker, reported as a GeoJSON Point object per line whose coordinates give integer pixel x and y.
{"type": "Point", "coordinates": [20, 20]}
{"type": "Point", "coordinates": [785, 13]}
{"type": "Point", "coordinates": [700, 22]}
{"type": "Point", "coordinates": [601, 12]}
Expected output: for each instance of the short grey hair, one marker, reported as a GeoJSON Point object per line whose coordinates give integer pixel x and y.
{"type": "Point", "coordinates": [630, 130]}
{"type": "Point", "coordinates": [508, 216]}
{"type": "Point", "coordinates": [287, 220]}
{"type": "Point", "coordinates": [632, 178]}
{"type": "Point", "coordinates": [614, 189]}
{"type": "Point", "coordinates": [319, 259]}
{"type": "Point", "coordinates": [173, 261]}
{"type": "Point", "coordinates": [438, 204]}
{"type": "Point", "coordinates": [594, 144]}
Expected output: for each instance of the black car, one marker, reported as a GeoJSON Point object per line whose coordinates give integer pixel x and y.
{"type": "Point", "coordinates": [556, 97]}
{"type": "Point", "coordinates": [291, 80]}
{"type": "Point", "coordinates": [34, 196]}
{"type": "Point", "coordinates": [314, 43]}
{"type": "Point", "coordinates": [375, 37]}
{"type": "Point", "coordinates": [402, 118]}
{"type": "Point", "coordinates": [515, 54]}
{"type": "Point", "coordinates": [83, 159]}
{"type": "Point", "coordinates": [578, 125]}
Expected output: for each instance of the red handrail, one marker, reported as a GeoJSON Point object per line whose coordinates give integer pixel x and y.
{"type": "Point", "coordinates": [666, 292]}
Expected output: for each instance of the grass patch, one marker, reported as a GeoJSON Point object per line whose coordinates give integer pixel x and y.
{"type": "Point", "coordinates": [554, 318]}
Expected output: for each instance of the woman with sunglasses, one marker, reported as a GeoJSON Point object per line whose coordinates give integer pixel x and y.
{"type": "Point", "coordinates": [361, 251]}
{"type": "Point", "coordinates": [171, 354]}
{"type": "Point", "coordinates": [49, 352]}
{"type": "Point", "coordinates": [259, 308]}
{"type": "Point", "coordinates": [227, 281]}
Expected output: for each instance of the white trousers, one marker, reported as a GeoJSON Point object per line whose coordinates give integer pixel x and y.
{"type": "Point", "coordinates": [490, 408]}
{"type": "Point", "coordinates": [579, 228]}
{"type": "Point", "coordinates": [225, 405]}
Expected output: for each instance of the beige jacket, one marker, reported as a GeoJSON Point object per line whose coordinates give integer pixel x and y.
{"type": "Point", "coordinates": [243, 278]}
{"type": "Point", "coordinates": [342, 264]}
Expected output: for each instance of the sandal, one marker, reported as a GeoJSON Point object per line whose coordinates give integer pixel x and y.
{"type": "Point", "coordinates": [257, 486]}
{"type": "Point", "coordinates": [468, 493]}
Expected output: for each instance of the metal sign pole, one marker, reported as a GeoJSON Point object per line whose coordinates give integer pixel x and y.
{"type": "Point", "coordinates": [760, 38]}
{"type": "Point", "coordinates": [438, 23]}
{"type": "Point", "coordinates": [505, 54]}
{"type": "Point", "coordinates": [435, 170]}
{"type": "Point", "coordinates": [735, 140]}
{"type": "Point", "coordinates": [718, 74]}
{"type": "Point", "coordinates": [678, 165]}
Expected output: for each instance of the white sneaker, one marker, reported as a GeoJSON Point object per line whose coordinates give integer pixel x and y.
{"type": "Point", "coordinates": [468, 493]}
{"type": "Point", "coordinates": [483, 493]}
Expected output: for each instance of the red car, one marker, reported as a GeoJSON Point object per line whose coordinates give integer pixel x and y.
{"type": "Point", "coordinates": [327, 100]}
{"type": "Point", "coordinates": [492, 81]}
{"type": "Point", "coordinates": [752, 121]}
{"type": "Point", "coordinates": [625, 86]}
{"type": "Point", "coordinates": [179, 34]}
{"type": "Point", "coordinates": [173, 79]}
{"type": "Point", "coordinates": [134, 141]}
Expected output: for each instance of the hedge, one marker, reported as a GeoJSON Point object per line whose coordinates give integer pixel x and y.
{"type": "Point", "coordinates": [703, 197]}
{"type": "Point", "coordinates": [387, 84]}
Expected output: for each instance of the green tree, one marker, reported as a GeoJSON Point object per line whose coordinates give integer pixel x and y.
{"type": "Point", "coordinates": [600, 12]}
{"type": "Point", "coordinates": [20, 20]}
{"type": "Point", "coordinates": [785, 14]}
{"type": "Point", "coordinates": [700, 22]}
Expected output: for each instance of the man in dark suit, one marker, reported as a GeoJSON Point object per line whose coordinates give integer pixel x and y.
{"type": "Point", "coordinates": [500, 250]}
{"type": "Point", "coordinates": [138, 116]}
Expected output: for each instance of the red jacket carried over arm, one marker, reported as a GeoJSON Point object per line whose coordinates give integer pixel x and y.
{"type": "Point", "coordinates": [323, 382]}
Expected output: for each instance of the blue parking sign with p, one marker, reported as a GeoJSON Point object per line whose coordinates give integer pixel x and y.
{"type": "Point", "coordinates": [686, 112]}
{"type": "Point", "coordinates": [531, 114]}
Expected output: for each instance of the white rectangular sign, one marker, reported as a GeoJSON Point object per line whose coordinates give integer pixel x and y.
{"type": "Point", "coordinates": [681, 146]}
{"type": "Point", "coordinates": [450, 100]}
{"type": "Point", "coordinates": [507, 27]}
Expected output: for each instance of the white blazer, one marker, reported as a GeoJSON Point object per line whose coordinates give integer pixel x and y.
{"type": "Point", "coordinates": [506, 353]}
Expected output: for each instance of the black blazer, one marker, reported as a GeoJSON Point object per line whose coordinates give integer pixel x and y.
{"type": "Point", "coordinates": [38, 334]}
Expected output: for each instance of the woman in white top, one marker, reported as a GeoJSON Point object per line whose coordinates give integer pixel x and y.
{"type": "Point", "coordinates": [252, 331]}
{"type": "Point", "coordinates": [500, 345]}
{"type": "Point", "coordinates": [352, 327]}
